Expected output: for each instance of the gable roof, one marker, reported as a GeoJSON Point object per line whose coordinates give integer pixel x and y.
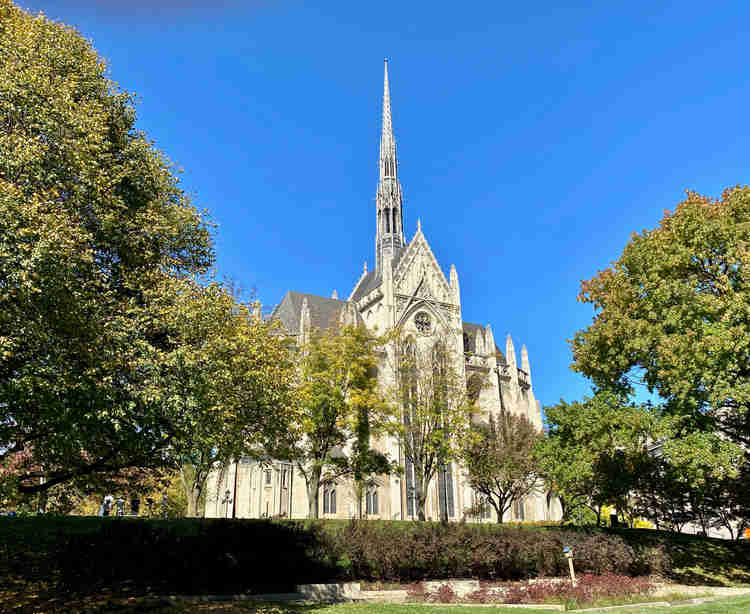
{"type": "Point", "coordinates": [419, 241]}
{"type": "Point", "coordinates": [373, 279]}
{"type": "Point", "coordinates": [324, 312]}
{"type": "Point", "coordinates": [369, 282]}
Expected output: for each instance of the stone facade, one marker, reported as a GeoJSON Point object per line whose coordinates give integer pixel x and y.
{"type": "Point", "coordinates": [407, 288]}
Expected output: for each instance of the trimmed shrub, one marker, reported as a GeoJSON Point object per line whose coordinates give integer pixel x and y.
{"type": "Point", "coordinates": [393, 553]}
{"type": "Point", "coordinates": [589, 589]}
{"type": "Point", "coordinates": [192, 556]}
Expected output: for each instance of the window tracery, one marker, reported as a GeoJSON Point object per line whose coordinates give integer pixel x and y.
{"type": "Point", "coordinates": [371, 499]}
{"type": "Point", "coordinates": [423, 322]}
{"type": "Point", "coordinates": [329, 499]}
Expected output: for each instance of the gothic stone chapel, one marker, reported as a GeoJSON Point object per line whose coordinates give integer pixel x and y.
{"type": "Point", "coordinates": [407, 288]}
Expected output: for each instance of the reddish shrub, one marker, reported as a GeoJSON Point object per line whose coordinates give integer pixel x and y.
{"type": "Point", "coordinates": [480, 596]}
{"type": "Point", "coordinates": [588, 589]}
{"type": "Point", "coordinates": [445, 594]}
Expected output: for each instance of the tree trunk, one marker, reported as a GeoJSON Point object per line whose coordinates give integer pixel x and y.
{"type": "Point", "coordinates": [193, 501]}
{"type": "Point", "coordinates": [420, 497]}
{"type": "Point", "coordinates": [359, 489]}
{"type": "Point", "coordinates": [564, 509]}
{"type": "Point", "coordinates": [313, 493]}
{"type": "Point", "coordinates": [499, 514]}
{"type": "Point", "coordinates": [193, 482]}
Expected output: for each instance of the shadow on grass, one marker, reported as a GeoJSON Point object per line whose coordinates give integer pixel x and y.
{"type": "Point", "coordinates": [696, 560]}
{"type": "Point", "coordinates": [49, 560]}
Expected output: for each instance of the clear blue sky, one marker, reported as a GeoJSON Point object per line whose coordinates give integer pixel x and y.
{"type": "Point", "coordinates": [533, 137]}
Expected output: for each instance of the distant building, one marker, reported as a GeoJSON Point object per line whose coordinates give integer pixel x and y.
{"type": "Point", "coordinates": [407, 288]}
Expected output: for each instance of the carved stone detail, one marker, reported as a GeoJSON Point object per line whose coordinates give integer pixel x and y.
{"type": "Point", "coordinates": [423, 322]}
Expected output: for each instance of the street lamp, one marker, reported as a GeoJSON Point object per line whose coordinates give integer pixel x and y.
{"type": "Point", "coordinates": [226, 501]}
{"type": "Point", "coordinates": [568, 552]}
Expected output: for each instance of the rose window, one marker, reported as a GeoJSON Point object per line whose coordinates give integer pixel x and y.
{"type": "Point", "coordinates": [423, 322]}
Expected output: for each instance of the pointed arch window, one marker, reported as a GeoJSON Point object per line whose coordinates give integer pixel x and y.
{"type": "Point", "coordinates": [409, 391]}
{"type": "Point", "coordinates": [388, 220]}
{"type": "Point", "coordinates": [371, 499]}
{"type": "Point", "coordinates": [329, 498]}
{"type": "Point", "coordinates": [481, 506]}
{"type": "Point", "coordinates": [445, 491]}
{"type": "Point", "coordinates": [474, 387]}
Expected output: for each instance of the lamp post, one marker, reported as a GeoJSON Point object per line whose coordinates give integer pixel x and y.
{"type": "Point", "coordinates": [568, 552]}
{"type": "Point", "coordinates": [226, 501]}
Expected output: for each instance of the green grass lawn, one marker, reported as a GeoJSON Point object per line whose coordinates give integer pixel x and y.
{"type": "Point", "coordinates": [698, 560]}
{"type": "Point", "coordinates": [736, 605]}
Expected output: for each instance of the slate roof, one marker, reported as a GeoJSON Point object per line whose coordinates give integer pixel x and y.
{"type": "Point", "coordinates": [372, 280]}
{"type": "Point", "coordinates": [324, 312]}
{"type": "Point", "coordinates": [470, 330]}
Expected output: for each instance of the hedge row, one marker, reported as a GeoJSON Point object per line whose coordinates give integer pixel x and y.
{"type": "Point", "coordinates": [264, 556]}
{"type": "Point", "coordinates": [388, 553]}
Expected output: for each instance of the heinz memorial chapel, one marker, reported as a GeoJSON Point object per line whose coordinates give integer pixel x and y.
{"type": "Point", "coordinates": [409, 289]}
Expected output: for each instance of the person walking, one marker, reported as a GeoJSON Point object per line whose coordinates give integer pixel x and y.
{"type": "Point", "coordinates": [107, 505]}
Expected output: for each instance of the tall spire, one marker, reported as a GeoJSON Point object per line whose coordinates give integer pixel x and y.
{"type": "Point", "coordinates": [389, 236]}
{"type": "Point", "coordinates": [387, 142]}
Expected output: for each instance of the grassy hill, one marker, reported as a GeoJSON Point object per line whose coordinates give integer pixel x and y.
{"type": "Point", "coordinates": [64, 555]}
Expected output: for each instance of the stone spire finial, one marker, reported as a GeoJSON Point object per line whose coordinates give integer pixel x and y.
{"type": "Point", "coordinates": [419, 224]}
{"type": "Point", "coordinates": [510, 358]}
{"type": "Point", "coordinates": [510, 352]}
{"type": "Point", "coordinates": [454, 281]}
{"type": "Point", "coordinates": [335, 294]}
{"type": "Point", "coordinates": [364, 268]}
{"type": "Point", "coordinates": [490, 339]}
{"type": "Point", "coordinates": [348, 315]}
{"type": "Point", "coordinates": [304, 322]}
{"type": "Point", "coordinates": [387, 142]}
{"type": "Point", "coordinates": [257, 314]}
{"type": "Point", "coordinates": [479, 348]}
{"type": "Point", "coordinates": [525, 359]}
{"type": "Point", "coordinates": [389, 216]}
{"type": "Point", "coordinates": [525, 364]}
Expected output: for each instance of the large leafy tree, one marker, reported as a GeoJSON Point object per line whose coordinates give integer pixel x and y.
{"type": "Point", "coordinates": [433, 411]}
{"type": "Point", "coordinates": [500, 460]}
{"type": "Point", "coordinates": [674, 491]}
{"type": "Point", "coordinates": [674, 311]}
{"type": "Point", "coordinates": [229, 375]}
{"type": "Point", "coordinates": [595, 449]}
{"type": "Point", "coordinates": [94, 229]}
{"type": "Point", "coordinates": [339, 405]}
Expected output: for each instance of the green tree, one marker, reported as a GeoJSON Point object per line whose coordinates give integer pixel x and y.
{"type": "Point", "coordinates": [366, 462]}
{"type": "Point", "coordinates": [229, 375]}
{"type": "Point", "coordinates": [500, 460]}
{"type": "Point", "coordinates": [337, 394]}
{"type": "Point", "coordinates": [94, 229]}
{"type": "Point", "coordinates": [433, 410]}
{"type": "Point", "coordinates": [672, 494]}
{"type": "Point", "coordinates": [673, 310]}
{"type": "Point", "coordinates": [594, 449]}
